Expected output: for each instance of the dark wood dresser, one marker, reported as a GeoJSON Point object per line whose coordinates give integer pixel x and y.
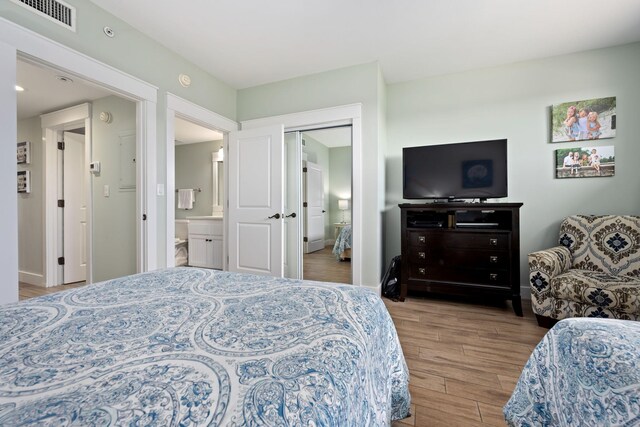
{"type": "Point", "coordinates": [462, 249]}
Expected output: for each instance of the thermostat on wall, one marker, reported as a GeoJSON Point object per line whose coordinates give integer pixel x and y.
{"type": "Point", "coordinates": [94, 167]}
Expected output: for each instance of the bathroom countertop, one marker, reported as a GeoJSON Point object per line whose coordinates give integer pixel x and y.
{"type": "Point", "coordinates": [206, 217]}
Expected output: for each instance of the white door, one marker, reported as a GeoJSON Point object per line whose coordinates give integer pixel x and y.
{"type": "Point", "coordinates": [256, 201]}
{"type": "Point", "coordinates": [314, 212]}
{"type": "Point", "coordinates": [75, 209]}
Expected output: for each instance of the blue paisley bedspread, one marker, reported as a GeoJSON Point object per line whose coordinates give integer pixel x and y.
{"type": "Point", "coordinates": [194, 347]}
{"type": "Point", "coordinates": [584, 372]}
{"type": "Point", "coordinates": [343, 241]}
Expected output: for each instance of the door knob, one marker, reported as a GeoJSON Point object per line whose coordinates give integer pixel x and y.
{"type": "Point", "coordinates": [274, 216]}
{"type": "Point", "coordinates": [293, 215]}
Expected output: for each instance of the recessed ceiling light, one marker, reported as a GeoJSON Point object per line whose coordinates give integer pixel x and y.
{"type": "Point", "coordinates": [19, 88]}
{"type": "Point", "coordinates": [64, 79]}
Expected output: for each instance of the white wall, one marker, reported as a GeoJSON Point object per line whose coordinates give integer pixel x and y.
{"type": "Point", "coordinates": [514, 102]}
{"type": "Point", "coordinates": [194, 169]}
{"type": "Point", "coordinates": [8, 183]}
{"type": "Point", "coordinates": [31, 207]}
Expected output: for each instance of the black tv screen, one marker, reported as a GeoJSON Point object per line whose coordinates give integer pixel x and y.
{"type": "Point", "coordinates": [468, 170]}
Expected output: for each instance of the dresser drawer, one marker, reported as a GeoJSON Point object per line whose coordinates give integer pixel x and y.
{"type": "Point", "coordinates": [471, 240]}
{"type": "Point", "coordinates": [464, 258]}
{"type": "Point", "coordinates": [417, 238]}
{"type": "Point", "coordinates": [476, 276]}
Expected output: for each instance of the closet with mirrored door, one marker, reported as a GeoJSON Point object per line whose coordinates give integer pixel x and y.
{"type": "Point", "coordinates": [317, 201]}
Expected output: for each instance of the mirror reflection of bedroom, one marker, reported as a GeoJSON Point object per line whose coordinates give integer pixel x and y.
{"type": "Point", "coordinates": [326, 192]}
{"type": "Point", "coordinates": [199, 195]}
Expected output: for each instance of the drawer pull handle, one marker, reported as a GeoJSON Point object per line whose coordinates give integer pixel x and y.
{"type": "Point", "coordinates": [422, 255]}
{"type": "Point", "coordinates": [493, 242]}
{"type": "Point", "coordinates": [422, 239]}
{"type": "Point", "coordinates": [493, 259]}
{"type": "Point", "coordinates": [493, 276]}
{"type": "Point", "coordinates": [422, 271]}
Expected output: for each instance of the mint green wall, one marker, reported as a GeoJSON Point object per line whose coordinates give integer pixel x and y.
{"type": "Point", "coordinates": [339, 183]}
{"type": "Point", "coordinates": [114, 217]}
{"type": "Point", "coordinates": [31, 205]}
{"type": "Point", "coordinates": [357, 84]}
{"type": "Point", "coordinates": [514, 102]}
{"type": "Point", "coordinates": [194, 169]}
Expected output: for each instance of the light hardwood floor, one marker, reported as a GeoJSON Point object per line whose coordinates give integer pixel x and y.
{"type": "Point", "coordinates": [27, 291]}
{"type": "Point", "coordinates": [323, 266]}
{"type": "Point", "coordinates": [464, 359]}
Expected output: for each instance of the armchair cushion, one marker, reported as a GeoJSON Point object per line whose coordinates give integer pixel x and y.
{"type": "Point", "coordinates": [607, 243]}
{"type": "Point", "coordinates": [600, 290]}
{"type": "Point", "coordinates": [595, 273]}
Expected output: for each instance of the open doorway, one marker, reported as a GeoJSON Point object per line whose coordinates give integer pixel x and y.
{"type": "Point", "coordinates": [199, 195]}
{"type": "Point", "coordinates": [73, 226]}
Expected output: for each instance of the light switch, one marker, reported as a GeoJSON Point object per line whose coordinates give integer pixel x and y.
{"type": "Point", "coordinates": [106, 191]}
{"type": "Point", "coordinates": [160, 189]}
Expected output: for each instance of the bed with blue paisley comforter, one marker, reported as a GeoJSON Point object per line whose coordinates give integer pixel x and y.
{"type": "Point", "coordinates": [584, 372]}
{"type": "Point", "coordinates": [191, 347]}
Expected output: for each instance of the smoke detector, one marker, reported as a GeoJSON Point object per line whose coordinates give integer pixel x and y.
{"type": "Point", "coordinates": [184, 80]}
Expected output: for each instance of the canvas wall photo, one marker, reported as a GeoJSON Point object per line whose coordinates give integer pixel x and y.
{"type": "Point", "coordinates": [24, 182]}
{"type": "Point", "coordinates": [24, 152]}
{"type": "Point", "coordinates": [584, 120]}
{"type": "Point", "coordinates": [585, 162]}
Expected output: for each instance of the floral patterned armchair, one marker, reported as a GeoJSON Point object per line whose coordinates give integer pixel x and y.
{"type": "Point", "coordinates": [594, 273]}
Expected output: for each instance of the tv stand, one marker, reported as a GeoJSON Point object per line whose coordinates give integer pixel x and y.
{"type": "Point", "coordinates": [462, 249]}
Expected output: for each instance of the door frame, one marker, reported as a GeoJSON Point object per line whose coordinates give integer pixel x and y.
{"type": "Point", "coordinates": [53, 124]}
{"type": "Point", "coordinates": [17, 41]}
{"type": "Point", "coordinates": [328, 117]}
{"type": "Point", "coordinates": [189, 111]}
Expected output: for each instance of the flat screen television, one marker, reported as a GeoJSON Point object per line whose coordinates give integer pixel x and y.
{"type": "Point", "coordinates": [468, 170]}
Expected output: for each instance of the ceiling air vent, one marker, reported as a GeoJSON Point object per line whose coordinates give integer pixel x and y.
{"type": "Point", "coordinates": [54, 10]}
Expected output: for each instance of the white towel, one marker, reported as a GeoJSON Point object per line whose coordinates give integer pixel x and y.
{"type": "Point", "coordinates": [185, 198]}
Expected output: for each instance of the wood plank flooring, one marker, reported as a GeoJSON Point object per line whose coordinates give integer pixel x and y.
{"type": "Point", "coordinates": [464, 359]}
{"type": "Point", "coordinates": [27, 291]}
{"type": "Point", "coordinates": [323, 266]}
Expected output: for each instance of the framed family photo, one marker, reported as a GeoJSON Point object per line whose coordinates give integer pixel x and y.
{"type": "Point", "coordinates": [585, 120]}
{"type": "Point", "coordinates": [24, 182]}
{"type": "Point", "coordinates": [24, 152]}
{"type": "Point", "coordinates": [583, 162]}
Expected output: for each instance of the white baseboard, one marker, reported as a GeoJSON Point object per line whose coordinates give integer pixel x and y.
{"type": "Point", "coordinates": [329, 242]}
{"type": "Point", "coordinates": [525, 292]}
{"type": "Point", "coordinates": [31, 278]}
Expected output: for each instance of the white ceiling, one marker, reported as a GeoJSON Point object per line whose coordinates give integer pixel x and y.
{"type": "Point", "coordinates": [45, 93]}
{"type": "Point", "coordinates": [190, 133]}
{"type": "Point", "coordinates": [251, 42]}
